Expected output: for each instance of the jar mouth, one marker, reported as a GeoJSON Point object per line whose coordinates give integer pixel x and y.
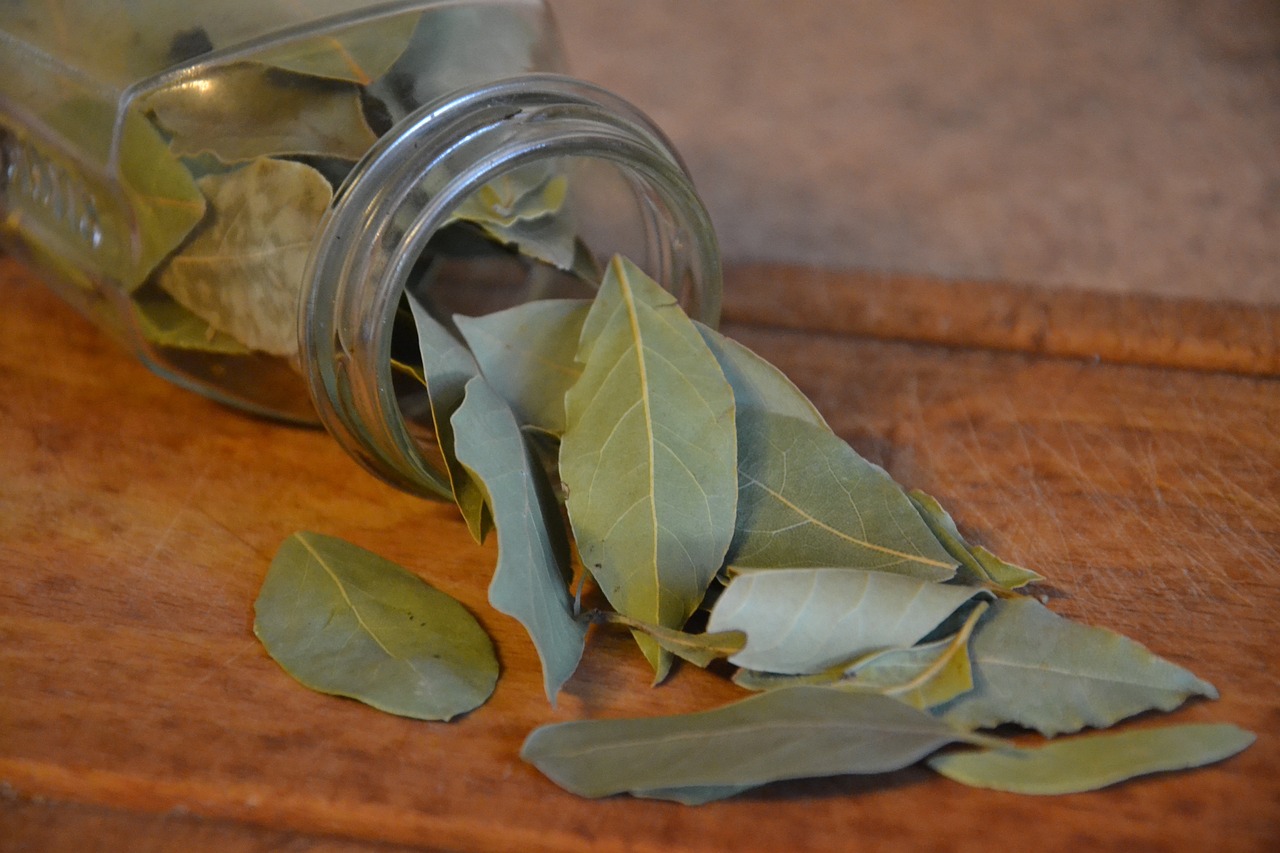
{"type": "Point", "coordinates": [413, 183]}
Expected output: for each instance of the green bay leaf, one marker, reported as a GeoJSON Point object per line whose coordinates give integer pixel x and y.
{"type": "Point", "coordinates": [345, 621]}
{"type": "Point", "coordinates": [165, 323]}
{"type": "Point", "coordinates": [1036, 669]}
{"type": "Point", "coordinates": [758, 386]}
{"type": "Point", "coordinates": [807, 499]}
{"type": "Point", "coordinates": [801, 621]}
{"type": "Point", "coordinates": [1090, 762]}
{"type": "Point", "coordinates": [977, 564]}
{"type": "Point", "coordinates": [697, 649]}
{"type": "Point", "coordinates": [359, 54]}
{"type": "Point", "coordinates": [246, 110]}
{"type": "Point", "coordinates": [648, 454]}
{"type": "Point", "coordinates": [447, 367]}
{"type": "Point", "coordinates": [242, 272]}
{"type": "Point", "coordinates": [531, 579]}
{"type": "Point", "coordinates": [795, 732]}
{"type": "Point", "coordinates": [527, 355]}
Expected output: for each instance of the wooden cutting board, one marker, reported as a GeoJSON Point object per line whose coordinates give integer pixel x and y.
{"type": "Point", "coordinates": [1126, 449]}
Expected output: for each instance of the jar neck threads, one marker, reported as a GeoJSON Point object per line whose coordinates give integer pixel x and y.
{"type": "Point", "coordinates": [407, 188]}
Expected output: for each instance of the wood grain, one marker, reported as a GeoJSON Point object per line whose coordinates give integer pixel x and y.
{"type": "Point", "coordinates": [137, 521]}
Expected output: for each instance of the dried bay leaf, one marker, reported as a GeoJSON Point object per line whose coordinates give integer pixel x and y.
{"type": "Point", "coordinates": [1087, 763]}
{"type": "Point", "coordinates": [977, 564]}
{"type": "Point", "coordinates": [527, 355]}
{"type": "Point", "coordinates": [758, 386]}
{"type": "Point", "coordinates": [525, 208]}
{"type": "Point", "coordinates": [165, 323]}
{"type": "Point", "coordinates": [795, 732]}
{"type": "Point", "coordinates": [447, 367]}
{"type": "Point", "coordinates": [1039, 670]}
{"type": "Point", "coordinates": [807, 499]}
{"type": "Point", "coordinates": [345, 621]}
{"type": "Point", "coordinates": [242, 272]}
{"type": "Point", "coordinates": [246, 110]}
{"type": "Point", "coordinates": [648, 454]}
{"type": "Point", "coordinates": [697, 649]}
{"type": "Point", "coordinates": [802, 621]}
{"type": "Point", "coordinates": [359, 54]}
{"type": "Point", "coordinates": [530, 582]}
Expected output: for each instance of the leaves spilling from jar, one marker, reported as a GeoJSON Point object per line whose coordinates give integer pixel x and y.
{"type": "Point", "coordinates": [703, 488]}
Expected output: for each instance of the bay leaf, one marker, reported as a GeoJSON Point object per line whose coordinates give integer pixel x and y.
{"type": "Point", "coordinates": [808, 620]}
{"type": "Point", "coordinates": [163, 202]}
{"type": "Point", "coordinates": [345, 621]}
{"type": "Point", "coordinates": [165, 323]}
{"type": "Point", "coordinates": [1036, 669]}
{"type": "Point", "coordinates": [246, 110]}
{"type": "Point", "coordinates": [977, 564]}
{"type": "Point", "coordinates": [697, 649]}
{"type": "Point", "coordinates": [359, 54]}
{"type": "Point", "coordinates": [525, 208]}
{"type": "Point", "coordinates": [807, 499]}
{"type": "Point", "coordinates": [242, 272]}
{"type": "Point", "coordinates": [758, 386]}
{"type": "Point", "coordinates": [530, 582]}
{"type": "Point", "coordinates": [925, 675]}
{"type": "Point", "coordinates": [790, 733]}
{"type": "Point", "coordinates": [648, 454]}
{"type": "Point", "coordinates": [1087, 763]}
{"type": "Point", "coordinates": [527, 355]}
{"type": "Point", "coordinates": [447, 367]}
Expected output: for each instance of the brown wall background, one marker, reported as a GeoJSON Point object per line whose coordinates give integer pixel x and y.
{"type": "Point", "coordinates": [1120, 146]}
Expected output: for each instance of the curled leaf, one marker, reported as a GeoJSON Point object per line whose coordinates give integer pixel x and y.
{"type": "Point", "coordinates": [343, 620]}
{"type": "Point", "coordinates": [697, 649]}
{"type": "Point", "coordinates": [808, 620]}
{"type": "Point", "coordinates": [530, 581]}
{"type": "Point", "coordinates": [1087, 763]}
{"type": "Point", "coordinates": [977, 564]}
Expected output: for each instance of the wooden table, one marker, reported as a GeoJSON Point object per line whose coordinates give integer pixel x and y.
{"type": "Point", "coordinates": [1125, 448]}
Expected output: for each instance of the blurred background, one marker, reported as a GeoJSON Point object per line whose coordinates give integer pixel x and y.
{"type": "Point", "coordinates": [1115, 146]}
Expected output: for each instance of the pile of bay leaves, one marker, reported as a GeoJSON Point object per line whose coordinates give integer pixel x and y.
{"type": "Point", "coordinates": [699, 486]}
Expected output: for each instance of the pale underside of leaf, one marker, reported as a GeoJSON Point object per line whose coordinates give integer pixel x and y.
{"type": "Point", "coordinates": [530, 581]}
{"type": "Point", "coordinates": [758, 386]}
{"type": "Point", "coordinates": [648, 453]}
{"type": "Point", "coordinates": [791, 733]}
{"type": "Point", "coordinates": [1089, 762]}
{"type": "Point", "coordinates": [243, 271]}
{"type": "Point", "coordinates": [527, 355]}
{"type": "Point", "coordinates": [807, 499]}
{"type": "Point", "coordinates": [1039, 670]}
{"type": "Point", "coordinates": [809, 620]}
{"type": "Point", "coordinates": [247, 110]}
{"type": "Point", "coordinates": [345, 621]}
{"type": "Point", "coordinates": [447, 367]}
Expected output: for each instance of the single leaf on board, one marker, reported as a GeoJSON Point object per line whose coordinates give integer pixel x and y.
{"type": "Point", "coordinates": [697, 649]}
{"type": "Point", "coordinates": [245, 110]}
{"type": "Point", "coordinates": [648, 454]}
{"type": "Point", "coordinates": [242, 272]}
{"type": "Point", "coordinates": [977, 564]}
{"type": "Point", "coordinates": [343, 620]}
{"type": "Point", "coordinates": [806, 498]}
{"type": "Point", "coordinates": [758, 386]}
{"type": "Point", "coordinates": [447, 367]}
{"type": "Point", "coordinates": [1036, 669]}
{"type": "Point", "coordinates": [165, 323]}
{"type": "Point", "coordinates": [791, 733]}
{"type": "Point", "coordinates": [1090, 762]}
{"type": "Point", "coordinates": [531, 579]}
{"type": "Point", "coordinates": [808, 620]}
{"type": "Point", "coordinates": [527, 355]}
{"type": "Point", "coordinates": [359, 54]}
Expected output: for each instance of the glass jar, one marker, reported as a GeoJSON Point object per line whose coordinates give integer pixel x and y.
{"type": "Point", "coordinates": [242, 191]}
